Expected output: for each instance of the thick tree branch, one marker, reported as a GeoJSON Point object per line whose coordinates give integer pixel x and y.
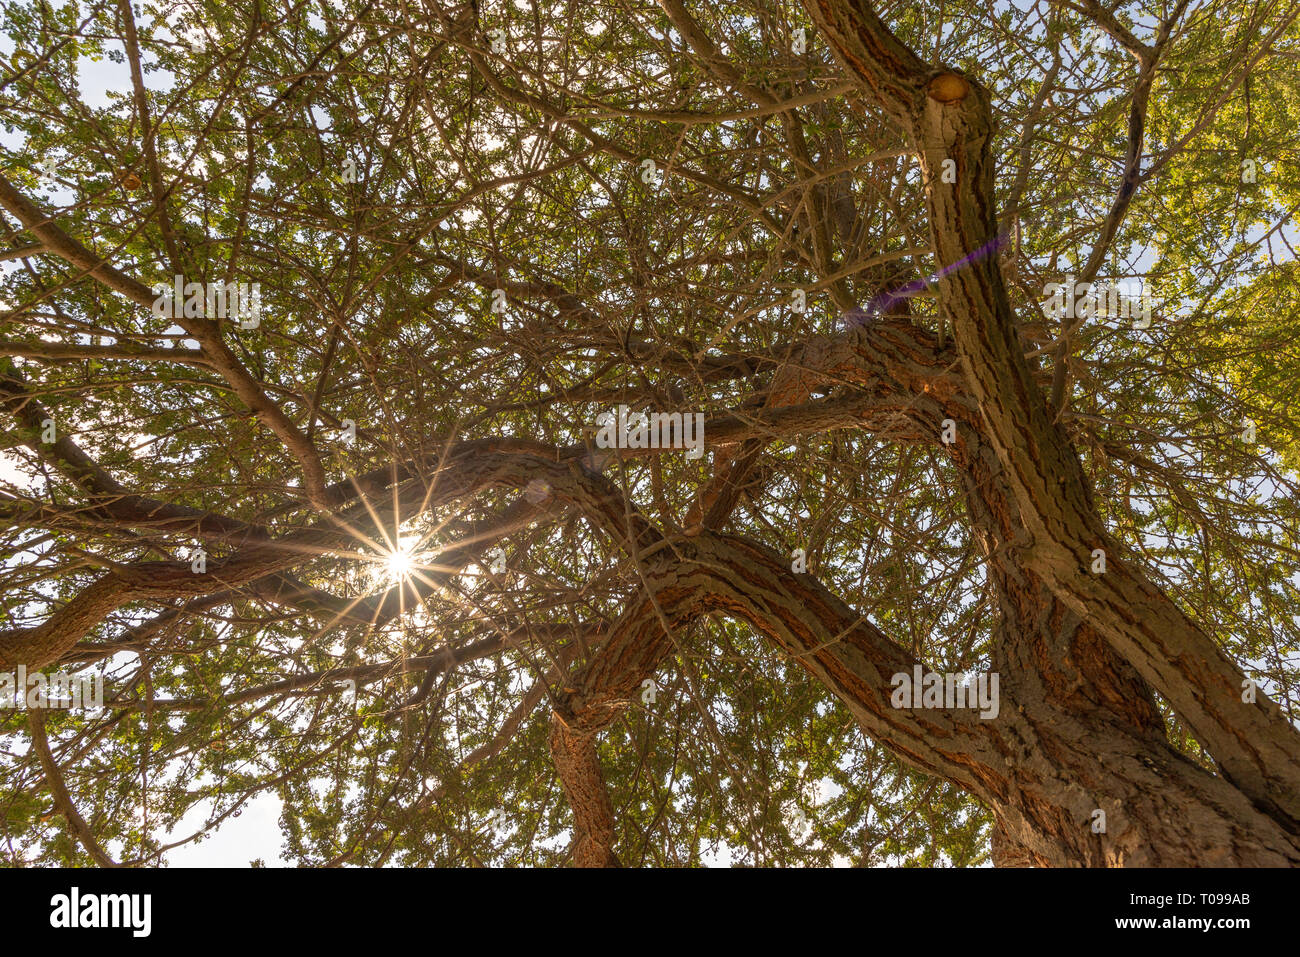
{"type": "Point", "coordinates": [951, 121]}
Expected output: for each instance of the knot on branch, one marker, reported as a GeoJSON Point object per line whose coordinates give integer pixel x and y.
{"type": "Point", "coordinates": [948, 88]}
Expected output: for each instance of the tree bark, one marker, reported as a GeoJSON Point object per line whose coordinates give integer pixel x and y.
{"type": "Point", "coordinates": [1081, 652]}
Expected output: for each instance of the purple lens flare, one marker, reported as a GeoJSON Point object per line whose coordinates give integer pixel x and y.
{"type": "Point", "coordinates": [881, 303]}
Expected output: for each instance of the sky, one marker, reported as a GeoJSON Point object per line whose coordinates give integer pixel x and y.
{"type": "Point", "coordinates": [240, 840]}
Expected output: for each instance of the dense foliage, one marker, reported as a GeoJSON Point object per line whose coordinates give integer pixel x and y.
{"type": "Point", "coordinates": [380, 169]}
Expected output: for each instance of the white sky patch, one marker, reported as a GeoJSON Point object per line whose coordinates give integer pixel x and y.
{"type": "Point", "coordinates": [720, 856]}
{"type": "Point", "coordinates": [11, 472]}
{"type": "Point", "coordinates": [95, 78]}
{"type": "Point", "coordinates": [254, 834]}
{"type": "Point", "coordinates": [825, 790]}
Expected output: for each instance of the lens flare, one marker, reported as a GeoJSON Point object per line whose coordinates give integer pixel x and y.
{"type": "Point", "coordinates": [399, 564]}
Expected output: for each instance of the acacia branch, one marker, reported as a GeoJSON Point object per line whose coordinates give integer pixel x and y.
{"type": "Point", "coordinates": [62, 799]}
{"type": "Point", "coordinates": [205, 331]}
{"type": "Point", "coordinates": [949, 118]}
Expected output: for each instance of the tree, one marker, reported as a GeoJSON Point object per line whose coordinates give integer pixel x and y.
{"type": "Point", "coordinates": [319, 326]}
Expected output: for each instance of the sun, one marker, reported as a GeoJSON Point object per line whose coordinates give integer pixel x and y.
{"type": "Point", "coordinates": [399, 564]}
